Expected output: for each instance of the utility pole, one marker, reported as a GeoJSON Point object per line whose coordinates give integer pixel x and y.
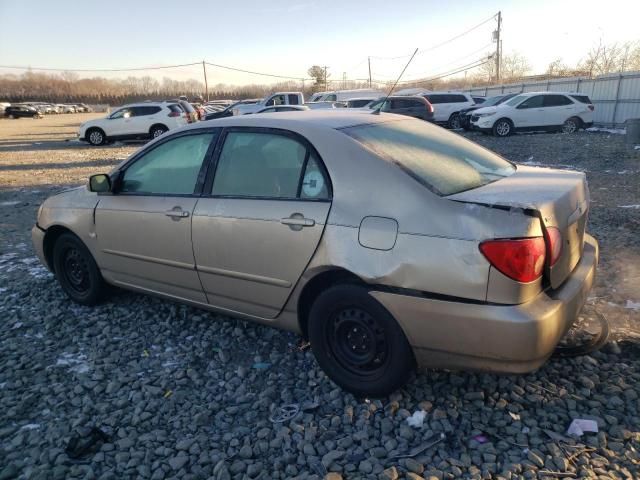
{"type": "Point", "coordinates": [344, 80]}
{"type": "Point", "coordinates": [369, 60]}
{"type": "Point", "coordinates": [326, 86]}
{"type": "Point", "coordinates": [498, 46]}
{"type": "Point", "coordinates": [206, 85]}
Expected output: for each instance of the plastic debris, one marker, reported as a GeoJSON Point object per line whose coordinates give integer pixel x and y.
{"type": "Point", "coordinates": [417, 419]}
{"type": "Point", "coordinates": [284, 413]}
{"type": "Point", "coordinates": [261, 365]}
{"type": "Point", "coordinates": [168, 393]}
{"type": "Point", "coordinates": [580, 425]}
{"type": "Point", "coordinates": [515, 416]}
{"type": "Point", "coordinates": [480, 438]}
{"type": "Point", "coordinates": [85, 443]}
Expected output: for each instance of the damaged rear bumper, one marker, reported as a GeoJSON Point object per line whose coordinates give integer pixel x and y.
{"type": "Point", "coordinates": [499, 338]}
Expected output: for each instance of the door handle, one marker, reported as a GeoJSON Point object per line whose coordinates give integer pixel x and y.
{"type": "Point", "coordinates": [298, 222]}
{"type": "Point", "coordinates": [176, 212]}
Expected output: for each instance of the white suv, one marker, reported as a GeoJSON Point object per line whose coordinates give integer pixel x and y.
{"type": "Point", "coordinates": [140, 120]}
{"type": "Point", "coordinates": [447, 106]}
{"type": "Point", "coordinates": [563, 111]}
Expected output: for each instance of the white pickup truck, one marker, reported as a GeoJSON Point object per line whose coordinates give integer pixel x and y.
{"type": "Point", "coordinates": [278, 98]}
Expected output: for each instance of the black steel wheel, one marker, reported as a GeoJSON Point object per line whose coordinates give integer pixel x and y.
{"type": "Point", "coordinates": [76, 270]}
{"type": "Point", "coordinates": [358, 343]}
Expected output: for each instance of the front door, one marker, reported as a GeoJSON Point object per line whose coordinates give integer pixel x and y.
{"type": "Point", "coordinates": [117, 122]}
{"type": "Point", "coordinates": [258, 225]}
{"type": "Point", "coordinates": [529, 113]}
{"type": "Point", "coordinates": [144, 228]}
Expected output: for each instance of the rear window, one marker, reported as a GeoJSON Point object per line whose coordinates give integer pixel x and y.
{"type": "Point", "coordinates": [444, 162]}
{"type": "Point", "coordinates": [582, 99]}
{"type": "Point", "coordinates": [175, 108]}
{"type": "Point", "coordinates": [187, 107]}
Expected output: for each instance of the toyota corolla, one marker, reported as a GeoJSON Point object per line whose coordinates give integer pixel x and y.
{"type": "Point", "coordinates": [388, 242]}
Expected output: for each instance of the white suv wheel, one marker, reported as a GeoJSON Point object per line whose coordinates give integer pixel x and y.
{"type": "Point", "coordinates": [96, 137]}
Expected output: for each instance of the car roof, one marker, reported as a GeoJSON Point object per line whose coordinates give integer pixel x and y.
{"type": "Point", "coordinates": [528, 94]}
{"type": "Point", "coordinates": [322, 119]}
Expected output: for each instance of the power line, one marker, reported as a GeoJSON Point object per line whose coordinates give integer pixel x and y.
{"type": "Point", "coordinates": [256, 73]}
{"type": "Point", "coordinates": [475, 52]}
{"type": "Point", "coordinates": [469, 66]}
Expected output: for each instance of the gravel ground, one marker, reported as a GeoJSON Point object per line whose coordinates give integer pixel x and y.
{"type": "Point", "coordinates": [182, 393]}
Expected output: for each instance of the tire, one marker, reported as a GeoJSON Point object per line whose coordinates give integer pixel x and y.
{"type": "Point", "coordinates": [76, 270]}
{"type": "Point", "coordinates": [36, 116]}
{"type": "Point", "coordinates": [375, 363]}
{"type": "Point", "coordinates": [454, 121]}
{"type": "Point", "coordinates": [158, 130]}
{"type": "Point", "coordinates": [502, 128]}
{"type": "Point", "coordinates": [95, 136]}
{"type": "Point", "coordinates": [571, 125]}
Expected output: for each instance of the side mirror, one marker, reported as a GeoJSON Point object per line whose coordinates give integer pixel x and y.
{"type": "Point", "coordinates": [99, 183]}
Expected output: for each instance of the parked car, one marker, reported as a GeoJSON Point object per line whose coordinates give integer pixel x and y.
{"type": "Point", "coordinates": [422, 247]}
{"type": "Point", "coordinates": [465, 114]}
{"type": "Point", "coordinates": [359, 102]}
{"type": "Point", "coordinates": [324, 105]}
{"type": "Point", "coordinates": [278, 98]}
{"type": "Point", "coordinates": [411, 106]}
{"type": "Point", "coordinates": [225, 112]}
{"type": "Point", "coordinates": [447, 106]}
{"type": "Point", "coordinates": [82, 108]}
{"type": "Point", "coordinates": [554, 111]}
{"type": "Point", "coordinates": [346, 95]}
{"type": "Point", "coordinates": [141, 120]}
{"type": "Point", "coordinates": [20, 111]}
{"type": "Point", "coordinates": [284, 108]}
{"type": "Point", "coordinates": [479, 100]}
{"type": "Point", "coordinates": [192, 115]}
{"type": "Point", "coordinates": [68, 109]}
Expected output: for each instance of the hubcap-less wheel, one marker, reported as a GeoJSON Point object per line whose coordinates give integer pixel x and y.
{"type": "Point", "coordinates": [454, 122]}
{"type": "Point", "coordinates": [503, 128]}
{"type": "Point", "coordinates": [357, 341]}
{"type": "Point", "coordinates": [76, 270]}
{"type": "Point", "coordinates": [96, 138]}
{"type": "Point", "coordinates": [569, 126]}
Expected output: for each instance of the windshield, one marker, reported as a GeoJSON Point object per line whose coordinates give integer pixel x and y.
{"type": "Point", "coordinates": [516, 100]}
{"type": "Point", "coordinates": [444, 162]}
{"type": "Point", "coordinates": [493, 101]}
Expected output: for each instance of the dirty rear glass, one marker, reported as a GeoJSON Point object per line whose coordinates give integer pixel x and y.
{"type": "Point", "coordinates": [444, 162]}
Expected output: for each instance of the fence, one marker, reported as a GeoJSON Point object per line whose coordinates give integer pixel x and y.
{"type": "Point", "coordinates": [616, 96]}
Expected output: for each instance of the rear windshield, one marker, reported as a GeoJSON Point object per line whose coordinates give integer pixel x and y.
{"type": "Point", "coordinates": [582, 98]}
{"type": "Point", "coordinates": [444, 162]}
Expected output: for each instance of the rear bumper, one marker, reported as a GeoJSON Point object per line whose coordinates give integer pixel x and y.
{"type": "Point", "coordinates": [498, 338]}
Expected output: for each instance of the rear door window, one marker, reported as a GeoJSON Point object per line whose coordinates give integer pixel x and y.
{"type": "Point", "coordinates": [268, 165]}
{"type": "Point", "coordinates": [444, 162]}
{"type": "Point", "coordinates": [556, 101]}
{"type": "Point", "coordinates": [455, 98]}
{"type": "Point", "coordinates": [293, 100]}
{"type": "Point", "coordinates": [435, 99]}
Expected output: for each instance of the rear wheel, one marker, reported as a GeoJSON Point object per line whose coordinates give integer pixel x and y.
{"type": "Point", "coordinates": [158, 130]}
{"type": "Point", "coordinates": [96, 136]}
{"type": "Point", "coordinates": [503, 128]}
{"type": "Point", "coordinates": [571, 125]}
{"type": "Point", "coordinates": [76, 270]}
{"type": "Point", "coordinates": [357, 342]}
{"type": "Point", "coordinates": [454, 121]}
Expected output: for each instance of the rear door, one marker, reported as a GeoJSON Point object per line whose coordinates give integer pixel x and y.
{"type": "Point", "coordinates": [142, 118]}
{"type": "Point", "coordinates": [260, 219]}
{"type": "Point", "coordinates": [558, 108]}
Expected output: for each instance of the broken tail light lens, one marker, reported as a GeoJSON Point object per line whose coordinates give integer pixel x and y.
{"type": "Point", "coordinates": [553, 239]}
{"type": "Point", "coordinates": [520, 259]}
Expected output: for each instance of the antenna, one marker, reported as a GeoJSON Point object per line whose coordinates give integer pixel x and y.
{"type": "Point", "coordinates": [377, 111]}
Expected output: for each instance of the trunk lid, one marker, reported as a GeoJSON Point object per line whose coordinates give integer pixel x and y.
{"type": "Point", "coordinates": [559, 198]}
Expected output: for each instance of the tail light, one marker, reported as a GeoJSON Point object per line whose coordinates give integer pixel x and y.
{"type": "Point", "coordinates": [553, 239]}
{"type": "Point", "coordinates": [591, 107]}
{"type": "Point", "coordinates": [174, 114]}
{"type": "Point", "coordinates": [430, 108]}
{"type": "Point", "coordinates": [520, 259]}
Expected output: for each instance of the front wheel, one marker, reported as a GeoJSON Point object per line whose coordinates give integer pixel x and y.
{"type": "Point", "coordinates": [76, 270]}
{"type": "Point", "coordinates": [357, 342]}
{"type": "Point", "coordinates": [96, 137]}
{"type": "Point", "coordinates": [502, 128]}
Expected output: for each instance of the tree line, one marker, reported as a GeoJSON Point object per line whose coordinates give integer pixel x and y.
{"type": "Point", "coordinates": [70, 87]}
